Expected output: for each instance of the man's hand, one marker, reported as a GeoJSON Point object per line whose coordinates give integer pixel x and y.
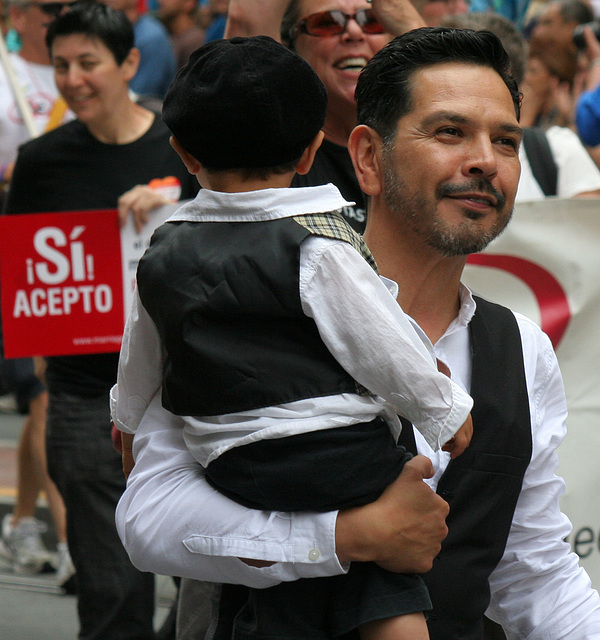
{"type": "Point", "coordinates": [255, 18]}
{"type": "Point", "coordinates": [399, 16]}
{"type": "Point", "coordinates": [138, 202]}
{"type": "Point", "coordinates": [403, 530]}
{"type": "Point", "coordinates": [532, 102]}
{"type": "Point", "coordinates": [456, 445]}
{"type": "Point", "coordinates": [592, 44]}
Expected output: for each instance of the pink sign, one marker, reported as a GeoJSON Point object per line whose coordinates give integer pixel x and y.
{"type": "Point", "coordinates": [61, 283]}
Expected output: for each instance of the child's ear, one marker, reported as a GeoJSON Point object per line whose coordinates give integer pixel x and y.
{"type": "Point", "coordinates": [308, 156]}
{"type": "Point", "coordinates": [192, 165]}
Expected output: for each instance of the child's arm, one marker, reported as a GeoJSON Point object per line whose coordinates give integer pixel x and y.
{"type": "Point", "coordinates": [139, 374]}
{"type": "Point", "coordinates": [370, 336]}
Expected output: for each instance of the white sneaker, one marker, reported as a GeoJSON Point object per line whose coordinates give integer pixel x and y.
{"type": "Point", "coordinates": [6, 556]}
{"type": "Point", "coordinates": [8, 403]}
{"type": "Point", "coordinates": [29, 555]}
{"type": "Point", "coordinates": [64, 566]}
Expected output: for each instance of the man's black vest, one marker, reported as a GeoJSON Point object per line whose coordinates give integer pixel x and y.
{"type": "Point", "coordinates": [224, 298]}
{"type": "Point", "coordinates": [483, 484]}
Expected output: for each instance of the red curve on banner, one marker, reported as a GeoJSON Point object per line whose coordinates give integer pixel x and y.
{"type": "Point", "coordinates": [550, 296]}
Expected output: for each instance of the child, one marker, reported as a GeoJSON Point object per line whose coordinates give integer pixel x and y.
{"type": "Point", "coordinates": [261, 315]}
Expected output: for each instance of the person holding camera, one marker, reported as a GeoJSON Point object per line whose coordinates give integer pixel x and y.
{"type": "Point", "coordinates": [556, 22]}
{"type": "Point", "coordinates": [587, 112]}
{"type": "Point", "coordinates": [551, 78]}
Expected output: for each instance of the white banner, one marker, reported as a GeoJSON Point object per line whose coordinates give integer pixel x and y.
{"type": "Point", "coordinates": [134, 244]}
{"type": "Point", "coordinates": [546, 265]}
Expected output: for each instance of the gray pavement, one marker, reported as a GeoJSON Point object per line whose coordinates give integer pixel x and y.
{"type": "Point", "coordinates": [33, 607]}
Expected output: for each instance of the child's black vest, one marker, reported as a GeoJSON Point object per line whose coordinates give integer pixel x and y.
{"type": "Point", "coordinates": [224, 298]}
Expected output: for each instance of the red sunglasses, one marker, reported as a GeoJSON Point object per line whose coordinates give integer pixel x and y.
{"type": "Point", "coordinates": [334, 22]}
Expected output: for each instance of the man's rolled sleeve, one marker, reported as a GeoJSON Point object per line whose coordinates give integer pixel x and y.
{"type": "Point", "coordinates": [200, 533]}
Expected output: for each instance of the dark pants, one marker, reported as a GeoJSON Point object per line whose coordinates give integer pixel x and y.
{"type": "Point", "coordinates": [319, 471]}
{"type": "Point", "coordinates": [317, 608]}
{"type": "Point", "coordinates": [115, 600]}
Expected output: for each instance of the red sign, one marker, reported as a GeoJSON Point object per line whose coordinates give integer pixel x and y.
{"type": "Point", "coordinates": [61, 283]}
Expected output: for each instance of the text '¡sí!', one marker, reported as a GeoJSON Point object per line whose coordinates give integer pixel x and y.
{"type": "Point", "coordinates": [72, 269]}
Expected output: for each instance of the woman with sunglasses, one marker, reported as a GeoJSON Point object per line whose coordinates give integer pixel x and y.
{"type": "Point", "coordinates": [337, 38]}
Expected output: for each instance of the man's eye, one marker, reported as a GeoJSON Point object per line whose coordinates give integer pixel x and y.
{"type": "Point", "coordinates": [509, 142]}
{"type": "Point", "coordinates": [449, 131]}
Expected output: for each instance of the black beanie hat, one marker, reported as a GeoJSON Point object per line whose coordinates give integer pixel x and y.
{"type": "Point", "coordinates": [245, 103]}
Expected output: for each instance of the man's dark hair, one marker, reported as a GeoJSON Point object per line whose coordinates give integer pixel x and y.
{"type": "Point", "coordinates": [384, 89]}
{"type": "Point", "coordinates": [97, 21]}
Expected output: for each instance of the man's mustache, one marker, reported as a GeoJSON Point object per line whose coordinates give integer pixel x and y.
{"type": "Point", "coordinates": [479, 185]}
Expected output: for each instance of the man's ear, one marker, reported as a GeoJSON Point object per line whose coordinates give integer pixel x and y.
{"type": "Point", "coordinates": [365, 147]}
{"type": "Point", "coordinates": [308, 156]}
{"type": "Point", "coordinates": [191, 164]}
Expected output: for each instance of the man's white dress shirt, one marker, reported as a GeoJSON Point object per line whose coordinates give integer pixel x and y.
{"type": "Point", "coordinates": [172, 522]}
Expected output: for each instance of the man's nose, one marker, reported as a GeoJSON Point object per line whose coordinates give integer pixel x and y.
{"type": "Point", "coordinates": [481, 158]}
